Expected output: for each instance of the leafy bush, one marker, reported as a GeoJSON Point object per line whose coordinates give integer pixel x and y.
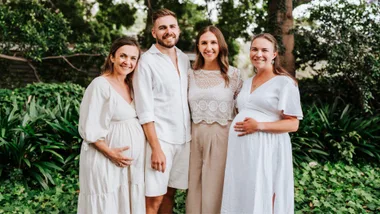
{"type": "Point", "coordinates": [40, 137]}
{"type": "Point", "coordinates": [337, 188]}
{"type": "Point", "coordinates": [44, 93]}
{"type": "Point", "coordinates": [346, 35]}
{"type": "Point", "coordinates": [62, 198]}
{"type": "Point", "coordinates": [329, 133]}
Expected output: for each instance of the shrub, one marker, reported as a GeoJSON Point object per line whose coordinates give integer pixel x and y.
{"type": "Point", "coordinates": [337, 188]}
{"type": "Point", "coordinates": [44, 93]}
{"type": "Point", "coordinates": [62, 198]}
{"type": "Point", "coordinates": [345, 34]}
{"type": "Point", "coordinates": [329, 133]}
{"type": "Point", "coordinates": [41, 136]}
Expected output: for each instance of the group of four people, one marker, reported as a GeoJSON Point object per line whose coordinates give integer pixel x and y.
{"type": "Point", "coordinates": [206, 131]}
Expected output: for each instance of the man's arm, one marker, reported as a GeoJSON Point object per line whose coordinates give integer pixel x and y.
{"type": "Point", "coordinates": [144, 100]}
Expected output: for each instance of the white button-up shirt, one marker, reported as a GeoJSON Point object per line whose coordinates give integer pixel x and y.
{"type": "Point", "coordinates": [161, 95]}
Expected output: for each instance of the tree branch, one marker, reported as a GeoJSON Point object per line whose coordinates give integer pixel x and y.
{"type": "Point", "coordinates": [21, 59]}
{"type": "Point", "coordinates": [34, 71]}
{"type": "Point", "coordinates": [68, 62]}
{"type": "Point", "coordinates": [14, 58]}
{"type": "Point", "coordinates": [67, 56]}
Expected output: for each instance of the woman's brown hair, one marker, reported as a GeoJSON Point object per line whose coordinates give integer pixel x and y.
{"type": "Point", "coordinates": [108, 64]}
{"type": "Point", "coordinates": [277, 68]}
{"type": "Point", "coordinates": [223, 52]}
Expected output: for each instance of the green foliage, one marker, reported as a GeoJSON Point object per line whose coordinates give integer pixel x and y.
{"type": "Point", "coordinates": [39, 132]}
{"type": "Point", "coordinates": [335, 132]}
{"type": "Point", "coordinates": [33, 29]}
{"type": "Point", "coordinates": [44, 93]}
{"type": "Point", "coordinates": [62, 198]}
{"type": "Point", "coordinates": [347, 37]}
{"type": "Point", "coordinates": [243, 12]}
{"type": "Point", "coordinates": [337, 188]}
{"type": "Point", "coordinates": [180, 202]}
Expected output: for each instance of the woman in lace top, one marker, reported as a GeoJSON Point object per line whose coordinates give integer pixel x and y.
{"type": "Point", "coordinates": [213, 87]}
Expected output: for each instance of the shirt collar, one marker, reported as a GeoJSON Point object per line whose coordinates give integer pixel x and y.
{"type": "Point", "coordinates": [153, 49]}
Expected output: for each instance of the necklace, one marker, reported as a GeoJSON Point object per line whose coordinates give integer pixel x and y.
{"type": "Point", "coordinates": [256, 83]}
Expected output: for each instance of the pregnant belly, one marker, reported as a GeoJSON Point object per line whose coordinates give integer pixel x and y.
{"type": "Point", "coordinates": [131, 135]}
{"type": "Point", "coordinates": [257, 115]}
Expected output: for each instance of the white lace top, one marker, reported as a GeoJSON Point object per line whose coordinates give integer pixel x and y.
{"type": "Point", "coordinates": [210, 100]}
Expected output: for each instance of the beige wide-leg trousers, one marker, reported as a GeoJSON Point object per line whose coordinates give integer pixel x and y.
{"type": "Point", "coordinates": [208, 152]}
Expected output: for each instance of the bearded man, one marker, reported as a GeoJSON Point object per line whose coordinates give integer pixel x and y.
{"type": "Point", "coordinates": [160, 85]}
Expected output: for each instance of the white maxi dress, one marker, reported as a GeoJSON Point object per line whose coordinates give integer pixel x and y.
{"type": "Point", "coordinates": [105, 187]}
{"type": "Point", "coordinates": [260, 164]}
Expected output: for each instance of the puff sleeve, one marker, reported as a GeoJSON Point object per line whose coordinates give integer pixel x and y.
{"type": "Point", "coordinates": [289, 100]}
{"type": "Point", "coordinates": [95, 111]}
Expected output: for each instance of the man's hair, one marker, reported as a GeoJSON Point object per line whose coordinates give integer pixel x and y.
{"type": "Point", "coordinates": [161, 13]}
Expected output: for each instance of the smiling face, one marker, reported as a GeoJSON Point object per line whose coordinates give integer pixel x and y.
{"type": "Point", "coordinates": [125, 60]}
{"type": "Point", "coordinates": [262, 53]}
{"type": "Point", "coordinates": [208, 46]}
{"type": "Point", "coordinates": [166, 31]}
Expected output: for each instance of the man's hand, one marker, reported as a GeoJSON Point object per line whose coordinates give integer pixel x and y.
{"type": "Point", "coordinates": [158, 160]}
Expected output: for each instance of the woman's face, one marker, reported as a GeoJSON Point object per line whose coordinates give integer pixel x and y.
{"type": "Point", "coordinates": [125, 60]}
{"type": "Point", "coordinates": [262, 53]}
{"type": "Point", "coordinates": [208, 46]}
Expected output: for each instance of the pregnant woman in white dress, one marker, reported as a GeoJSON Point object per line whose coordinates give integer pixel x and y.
{"type": "Point", "coordinates": [111, 173]}
{"type": "Point", "coordinates": [259, 170]}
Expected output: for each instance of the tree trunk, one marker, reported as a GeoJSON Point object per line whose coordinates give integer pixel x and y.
{"type": "Point", "coordinates": [280, 19]}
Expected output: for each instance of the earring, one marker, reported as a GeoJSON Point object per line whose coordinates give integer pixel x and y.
{"type": "Point", "coordinates": [272, 61]}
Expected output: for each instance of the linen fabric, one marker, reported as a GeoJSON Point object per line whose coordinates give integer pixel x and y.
{"type": "Point", "coordinates": [259, 165]}
{"type": "Point", "coordinates": [208, 151]}
{"type": "Point", "coordinates": [105, 187]}
{"type": "Point", "coordinates": [176, 173]}
{"type": "Point", "coordinates": [161, 95]}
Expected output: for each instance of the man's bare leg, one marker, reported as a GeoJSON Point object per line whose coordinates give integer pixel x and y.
{"type": "Point", "coordinates": [168, 202]}
{"type": "Point", "coordinates": [152, 204]}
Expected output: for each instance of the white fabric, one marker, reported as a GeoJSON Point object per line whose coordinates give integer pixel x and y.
{"type": "Point", "coordinates": [105, 187]}
{"type": "Point", "coordinates": [260, 164]}
{"type": "Point", "coordinates": [161, 95]}
{"type": "Point", "coordinates": [210, 101]}
{"type": "Point", "coordinates": [176, 173]}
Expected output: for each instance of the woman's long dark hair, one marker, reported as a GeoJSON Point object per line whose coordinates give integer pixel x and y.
{"type": "Point", "coordinates": [223, 52]}
{"type": "Point", "coordinates": [108, 64]}
{"type": "Point", "coordinates": [277, 68]}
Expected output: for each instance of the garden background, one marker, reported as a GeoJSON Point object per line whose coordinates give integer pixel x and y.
{"type": "Point", "coordinates": [50, 50]}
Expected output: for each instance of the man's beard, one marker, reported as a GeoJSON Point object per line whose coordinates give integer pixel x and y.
{"type": "Point", "coordinates": [167, 45]}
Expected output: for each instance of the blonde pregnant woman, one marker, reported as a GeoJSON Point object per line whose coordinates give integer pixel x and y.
{"type": "Point", "coordinates": [111, 172]}
{"type": "Point", "coordinates": [213, 86]}
{"type": "Point", "coordinates": [259, 169]}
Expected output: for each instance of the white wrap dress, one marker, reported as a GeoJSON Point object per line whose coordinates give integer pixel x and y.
{"type": "Point", "coordinates": [259, 165]}
{"type": "Point", "coordinates": [105, 187]}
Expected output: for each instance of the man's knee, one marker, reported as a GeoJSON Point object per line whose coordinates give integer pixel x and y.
{"type": "Point", "coordinates": [154, 202]}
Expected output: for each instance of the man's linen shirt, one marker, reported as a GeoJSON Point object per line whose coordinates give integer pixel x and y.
{"type": "Point", "coordinates": [161, 95]}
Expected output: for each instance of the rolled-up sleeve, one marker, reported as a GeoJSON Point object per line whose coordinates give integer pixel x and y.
{"type": "Point", "coordinates": [143, 90]}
